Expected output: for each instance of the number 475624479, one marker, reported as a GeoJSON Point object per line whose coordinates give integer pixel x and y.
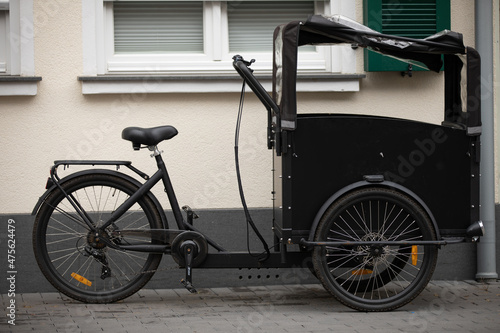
{"type": "Point", "coordinates": [11, 244]}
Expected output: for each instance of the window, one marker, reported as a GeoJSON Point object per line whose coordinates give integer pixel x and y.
{"type": "Point", "coordinates": [4, 11]}
{"type": "Point", "coordinates": [153, 36]}
{"type": "Point", "coordinates": [407, 18]}
{"type": "Point", "coordinates": [17, 65]}
{"type": "Point", "coordinates": [191, 36]}
{"type": "Point", "coordinates": [191, 39]}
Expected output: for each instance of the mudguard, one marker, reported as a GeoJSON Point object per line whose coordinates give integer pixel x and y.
{"type": "Point", "coordinates": [363, 184]}
{"type": "Point", "coordinates": [123, 176]}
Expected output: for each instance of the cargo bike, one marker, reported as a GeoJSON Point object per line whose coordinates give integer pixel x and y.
{"type": "Point", "coordinates": [363, 201]}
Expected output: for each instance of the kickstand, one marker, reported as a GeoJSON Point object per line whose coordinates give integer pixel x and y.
{"type": "Point", "coordinates": [189, 248]}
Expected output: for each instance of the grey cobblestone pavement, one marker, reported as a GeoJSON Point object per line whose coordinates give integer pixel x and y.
{"type": "Point", "coordinates": [451, 306]}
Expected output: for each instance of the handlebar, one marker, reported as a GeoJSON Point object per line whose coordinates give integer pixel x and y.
{"type": "Point", "coordinates": [242, 66]}
{"type": "Point", "coordinates": [240, 58]}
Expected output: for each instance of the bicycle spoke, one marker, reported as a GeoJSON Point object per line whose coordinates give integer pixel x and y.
{"type": "Point", "coordinates": [66, 256]}
{"type": "Point", "coordinates": [361, 216]}
{"type": "Point", "coordinates": [133, 222]}
{"type": "Point", "coordinates": [71, 217]}
{"type": "Point", "coordinates": [344, 234]}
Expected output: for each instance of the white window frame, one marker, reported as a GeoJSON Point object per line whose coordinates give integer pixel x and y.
{"type": "Point", "coordinates": [100, 60]}
{"type": "Point", "coordinates": [215, 59]}
{"type": "Point", "coordinates": [19, 67]}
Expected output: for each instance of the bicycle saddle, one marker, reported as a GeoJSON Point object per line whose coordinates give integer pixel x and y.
{"type": "Point", "coordinates": [148, 136]}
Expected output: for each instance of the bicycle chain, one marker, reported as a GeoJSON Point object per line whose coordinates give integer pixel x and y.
{"type": "Point", "coordinates": [150, 271]}
{"type": "Point", "coordinates": [140, 273]}
{"type": "Point", "coordinates": [159, 270]}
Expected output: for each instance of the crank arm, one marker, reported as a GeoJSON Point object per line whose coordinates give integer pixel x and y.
{"type": "Point", "coordinates": [190, 250]}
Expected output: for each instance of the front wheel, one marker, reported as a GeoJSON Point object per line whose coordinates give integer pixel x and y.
{"type": "Point", "coordinates": [375, 277]}
{"type": "Point", "coordinates": [76, 261]}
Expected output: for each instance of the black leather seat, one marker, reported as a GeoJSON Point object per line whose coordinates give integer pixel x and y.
{"type": "Point", "coordinates": [148, 136]}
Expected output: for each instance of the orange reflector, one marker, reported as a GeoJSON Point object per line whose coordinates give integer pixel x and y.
{"type": "Point", "coordinates": [81, 279]}
{"type": "Point", "coordinates": [414, 255]}
{"type": "Point", "coordinates": [361, 272]}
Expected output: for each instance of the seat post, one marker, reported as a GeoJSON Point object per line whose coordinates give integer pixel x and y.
{"type": "Point", "coordinates": [169, 188]}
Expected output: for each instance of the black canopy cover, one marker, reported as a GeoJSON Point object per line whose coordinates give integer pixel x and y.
{"type": "Point", "coordinates": [337, 29]}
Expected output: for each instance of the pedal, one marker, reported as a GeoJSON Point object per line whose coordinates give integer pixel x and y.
{"type": "Point", "coordinates": [191, 215]}
{"type": "Point", "coordinates": [189, 286]}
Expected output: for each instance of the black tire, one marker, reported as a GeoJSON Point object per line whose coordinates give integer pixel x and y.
{"type": "Point", "coordinates": [375, 277]}
{"type": "Point", "coordinates": [77, 264]}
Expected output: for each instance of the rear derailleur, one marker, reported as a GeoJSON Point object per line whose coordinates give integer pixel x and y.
{"type": "Point", "coordinates": [100, 257]}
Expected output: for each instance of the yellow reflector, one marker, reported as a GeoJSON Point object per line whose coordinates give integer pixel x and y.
{"type": "Point", "coordinates": [81, 279]}
{"type": "Point", "coordinates": [414, 255]}
{"type": "Point", "coordinates": [361, 272]}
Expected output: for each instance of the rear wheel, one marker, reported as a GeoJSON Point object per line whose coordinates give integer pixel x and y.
{"type": "Point", "coordinates": [76, 261]}
{"type": "Point", "coordinates": [375, 277]}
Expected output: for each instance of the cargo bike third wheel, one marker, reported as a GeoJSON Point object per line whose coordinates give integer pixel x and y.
{"type": "Point", "coordinates": [375, 277]}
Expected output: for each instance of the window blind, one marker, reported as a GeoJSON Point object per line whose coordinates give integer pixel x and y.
{"type": "Point", "coordinates": [251, 23]}
{"type": "Point", "coordinates": [414, 19]}
{"type": "Point", "coordinates": [158, 27]}
{"type": "Point", "coordinates": [3, 40]}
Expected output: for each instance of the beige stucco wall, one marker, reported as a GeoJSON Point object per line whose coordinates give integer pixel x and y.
{"type": "Point", "coordinates": [62, 123]}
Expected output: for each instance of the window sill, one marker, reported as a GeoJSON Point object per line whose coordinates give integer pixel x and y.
{"type": "Point", "coordinates": [116, 84]}
{"type": "Point", "coordinates": [19, 85]}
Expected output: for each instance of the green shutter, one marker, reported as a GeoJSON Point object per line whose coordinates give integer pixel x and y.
{"type": "Point", "coordinates": [407, 18]}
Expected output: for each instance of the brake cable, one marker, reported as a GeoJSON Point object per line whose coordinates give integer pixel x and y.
{"type": "Point", "coordinates": [240, 186]}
